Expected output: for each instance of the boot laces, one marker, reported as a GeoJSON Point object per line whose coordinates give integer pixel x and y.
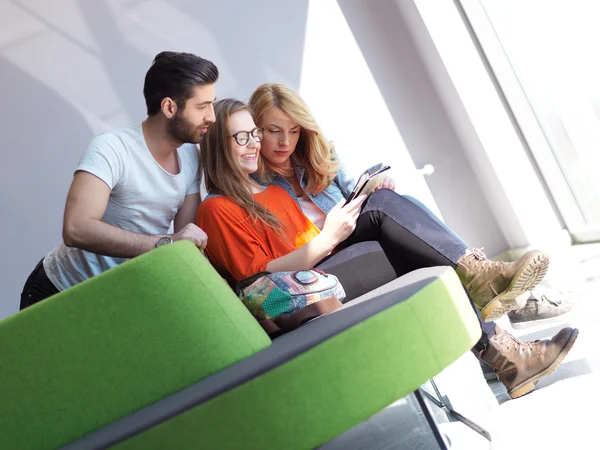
{"type": "Point", "coordinates": [478, 254]}
{"type": "Point", "coordinates": [528, 346]}
{"type": "Point", "coordinates": [513, 343]}
{"type": "Point", "coordinates": [480, 260]}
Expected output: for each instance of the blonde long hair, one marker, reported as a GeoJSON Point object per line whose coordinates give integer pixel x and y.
{"type": "Point", "coordinates": [313, 152]}
{"type": "Point", "coordinates": [222, 172]}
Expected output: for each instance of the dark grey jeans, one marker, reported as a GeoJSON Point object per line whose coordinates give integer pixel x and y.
{"type": "Point", "coordinates": [394, 236]}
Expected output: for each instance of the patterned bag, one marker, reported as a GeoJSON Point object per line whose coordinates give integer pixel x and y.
{"type": "Point", "coordinates": [283, 301]}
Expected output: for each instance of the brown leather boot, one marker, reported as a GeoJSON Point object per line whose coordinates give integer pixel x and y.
{"type": "Point", "coordinates": [520, 365]}
{"type": "Point", "coordinates": [495, 286]}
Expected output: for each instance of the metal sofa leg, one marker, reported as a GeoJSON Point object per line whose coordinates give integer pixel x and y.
{"type": "Point", "coordinates": [443, 403]}
{"type": "Point", "coordinates": [430, 420]}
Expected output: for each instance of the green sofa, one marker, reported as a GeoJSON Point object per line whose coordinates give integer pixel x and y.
{"type": "Point", "coordinates": [159, 353]}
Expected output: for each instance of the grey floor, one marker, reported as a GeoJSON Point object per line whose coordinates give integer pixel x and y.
{"type": "Point", "coordinates": [559, 414]}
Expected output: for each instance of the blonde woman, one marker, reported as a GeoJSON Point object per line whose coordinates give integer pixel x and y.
{"type": "Point", "coordinates": [253, 228]}
{"type": "Point", "coordinates": [297, 157]}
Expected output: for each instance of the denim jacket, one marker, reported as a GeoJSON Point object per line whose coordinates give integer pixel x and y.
{"type": "Point", "coordinates": [341, 187]}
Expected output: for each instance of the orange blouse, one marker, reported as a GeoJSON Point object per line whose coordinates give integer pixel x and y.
{"type": "Point", "coordinates": [242, 247]}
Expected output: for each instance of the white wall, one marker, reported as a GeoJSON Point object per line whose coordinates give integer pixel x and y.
{"type": "Point", "coordinates": [339, 86]}
{"type": "Point", "coordinates": [501, 165]}
{"type": "Point", "coordinates": [386, 35]}
{"type": "Point", "coordinates": [449, 114]}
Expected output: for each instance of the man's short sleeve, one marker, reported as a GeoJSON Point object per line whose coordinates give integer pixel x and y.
{"type": "Point", "coordinates": [193, 161]}
{"type": "Point", "coordinates": [104, 158]}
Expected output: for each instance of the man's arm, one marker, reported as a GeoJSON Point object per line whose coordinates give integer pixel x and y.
{"type": "Point", "coordinates": [82, 226]}
{"type": "Point", "coordinates": [187, 212]}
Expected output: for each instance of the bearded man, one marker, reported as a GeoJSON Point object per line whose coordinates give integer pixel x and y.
{"type": "Point", "coordinates": [135, 188]}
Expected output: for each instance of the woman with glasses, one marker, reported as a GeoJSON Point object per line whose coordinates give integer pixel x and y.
{"type": "Point", "coordinates": [253, 228]}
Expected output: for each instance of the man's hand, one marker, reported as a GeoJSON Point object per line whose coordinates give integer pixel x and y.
{"type": "Point", "coordinates": [191, 232]}
{"type": "Point", "coordinates": [387, 183]}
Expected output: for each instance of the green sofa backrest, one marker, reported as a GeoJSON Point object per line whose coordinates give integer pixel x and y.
{"type": "Point", "coordinates": [116, 343]}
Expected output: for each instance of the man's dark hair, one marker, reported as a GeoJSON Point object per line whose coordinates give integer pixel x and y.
{"type": "Point", "coordinates": [174, 75]}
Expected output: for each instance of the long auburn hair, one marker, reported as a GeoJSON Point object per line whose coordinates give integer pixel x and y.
{"type": "Point", "coordinates": [222, 172]}
{"type": "Point", "coordinates": [313, 151]}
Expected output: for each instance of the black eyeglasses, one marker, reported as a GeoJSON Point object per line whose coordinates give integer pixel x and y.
{"type": "Point", "coordinates": [242, 137]}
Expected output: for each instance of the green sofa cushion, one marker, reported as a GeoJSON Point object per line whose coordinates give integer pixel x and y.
{"type": "Point", "coordinates": [337, 383]}
{"type": "Point", "coordinates": [116, 343]}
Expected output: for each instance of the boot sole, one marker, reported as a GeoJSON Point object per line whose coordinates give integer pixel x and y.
{"type": "Point", "coordinates": [528, 277]}
{"type": "Point", "coordinates": [529, 385]}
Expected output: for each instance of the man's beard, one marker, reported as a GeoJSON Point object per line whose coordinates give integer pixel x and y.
{"type": "Point", "coordinates": [183, 131]}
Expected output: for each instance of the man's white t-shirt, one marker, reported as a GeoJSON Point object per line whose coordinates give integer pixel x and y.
{"type": "Point", "coordinates": [144, 198]}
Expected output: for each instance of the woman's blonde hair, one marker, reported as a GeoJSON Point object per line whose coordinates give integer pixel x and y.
{"type": "Point", "coordinates": [313, 152]}
{"type": "Point", "coordinates": [222, 172]}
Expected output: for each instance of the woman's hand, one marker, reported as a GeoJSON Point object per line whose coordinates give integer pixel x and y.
{"type": "Point", "coordinates": [341, 220]}
{"type": "Point", "coordinates": [339, 224]}
{"type": "Point", "coordinates": [387, 183]}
